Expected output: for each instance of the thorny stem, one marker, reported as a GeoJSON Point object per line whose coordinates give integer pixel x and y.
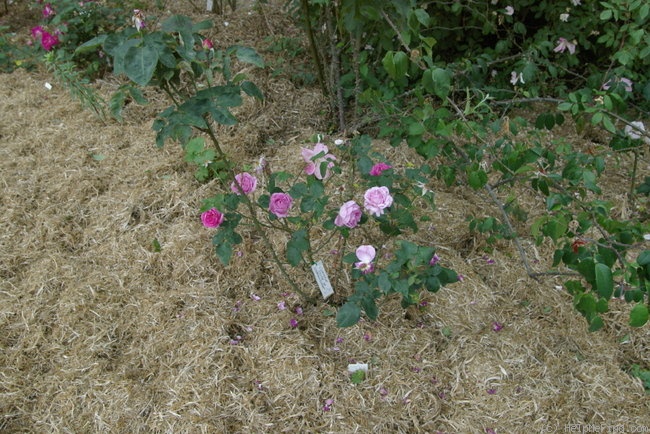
{"type": "Point", "coordinates": [258, 225]}
{"type": "Point", "coordinates": [497, 202]}
{"type": "Point", "coordinates": [312, 47]}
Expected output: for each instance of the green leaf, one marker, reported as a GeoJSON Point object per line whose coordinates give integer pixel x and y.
{"type": "Point", "coordinates": [604, 282]}
{"type": "Point", "coordinates": [357, 376]}
{"type": "Point", "coordinates": [643, 258]}
{"type": "Point", "coordinates": [296, 246]}
{"type": "Point", "coordinates": [370, 307]}
{"type": "Point", "coordinates": [639, 315]}
{"type": "Point", "coordinates": [348, 315]}
{"type": "Point", "coordinates": [92, 45]}
{"type": "Point", "coordinates": [477, 179]}
{"type": "Point", "coordinates": [249, 55]}
{"type": "Point", "coordinates": [140, 64]}
{"type": "Point", "coordinates": [252, 90]}
{"type": "Point", "coordinates": [596, 323]}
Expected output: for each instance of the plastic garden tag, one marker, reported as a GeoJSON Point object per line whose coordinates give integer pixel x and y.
{"type": "Point", "coordinates": [321, 278]}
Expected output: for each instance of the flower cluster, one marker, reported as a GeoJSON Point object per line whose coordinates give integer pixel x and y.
{"type": "Point", "coordinates": [48, 40]}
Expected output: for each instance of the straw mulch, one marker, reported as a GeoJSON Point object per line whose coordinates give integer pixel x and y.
{"type": "Point", "coordinates": [99, 332]}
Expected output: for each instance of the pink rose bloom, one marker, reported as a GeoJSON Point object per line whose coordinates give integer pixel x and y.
{"type": "Point", "coordinates": [349, 215]}
{"type": "Point", "coordinates": [377, 199]}
{"type": "Point", "coordinates": [48, 11]}
{"type": "Point", "coordinates": [314, 164]}
{"type": "Point", "coordinates": [212, 218]}
{"type": "Point", "coordinates": [365, 254]}
{"type": "Point", "coordinates": [279, 204]}
{"type": "Point", "coordinates": [246, 181]}
{"type": "Point", "coordinates": [378, 168]}
{"type": "Point", "coordinates": [48, 41]}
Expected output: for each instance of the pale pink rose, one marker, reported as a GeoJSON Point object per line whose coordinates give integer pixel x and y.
{"type": "Point", "coordinates": [279, 204]}
{"type": "Point", "coordinates": [378, 168]}
{"type": "Point", "coordinates": [376, 199]}
{"type": "Point", "coordinates": [246, 181]}
{"type": "Point", "coordinates": [212, 218]}
{"type": "Point", "coordinates": [365, 254]}
{"type": "Point", "coordinates": [563, 44]}
{"type": "Point", "coordinates": [314, 164]}
{"type": "Point", "coordinates": [349, 215]}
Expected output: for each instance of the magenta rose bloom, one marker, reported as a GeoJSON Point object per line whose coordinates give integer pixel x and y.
{"type": "Point", "coordinates": [246, 181]}
{"type": "Point", "coordinates": [212, 218]}
{"type": "Point", "coordinates": [349, 215]}
{"type": "Point", "coordinates": [279, 204]}
{"type": "Point", "coordinates": [377, 199]}
{"type": "Point", "coordinates": [314, 164]}
{"type": "Point", "coordinates": [378, 168]}
{"type": "Point", "coordinates": [48, 41]}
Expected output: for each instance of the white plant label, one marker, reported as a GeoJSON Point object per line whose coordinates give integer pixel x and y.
{"type": "Point", "coordinates": [321, 278]}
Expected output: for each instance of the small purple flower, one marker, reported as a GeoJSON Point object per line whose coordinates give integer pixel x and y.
{"type": "Point", "coordinates": [367, 337]}
{"type": "Point", "coordinates": [298, 310]}
{"type": "Point", "coordinates": [461, 278]}
{"type": "Point", "coordinates": [328, 405]}
{"type": "Point", "coordinates": [491, 391]}
{"type": "Point", "coordinates": [496, 326]}
{"type": "Point", "coordinates": [490, 431]}
{"type": "Point", "coordinates": [237, 306]}
{"type": "Point", "coordinates": [282, 305]}
{"type": "Point", "coordinates": [339, 340]}
{"type": "Point", "coordinates": [383, 391]}
{"type": "Point", "coordinates": [434, 260]}
{"type": "Point", "coordinates": [293, 323]}
{"type": "Point", "coordinates": [255, 297]}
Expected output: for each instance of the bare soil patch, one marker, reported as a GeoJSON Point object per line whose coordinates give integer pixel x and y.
{"type": "Point", "coordinates": [101, 333]}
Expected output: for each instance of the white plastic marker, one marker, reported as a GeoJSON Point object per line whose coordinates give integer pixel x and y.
{"type": "Point", "coordinates": [354, 367]}
{"type": "Point", "coordinates": [321, 278]}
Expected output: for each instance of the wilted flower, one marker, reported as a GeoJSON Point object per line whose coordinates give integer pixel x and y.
{"type": "Point", "coordinates": [315, 158]}
{"type": "Point", "coordinates": [366, 254]}
{"type": "Point", "coordinates": [575, 2]}
{"type": "Point", "coordinates": [516, 77]}
{"type": "Point", "coordinates": [564, 17]}
{"type": "Point", "coordinates": [563, 44]}
{"type": "Point", "coordinates": [509, 10]}
{"type": "Point", "coordinates": [48, 11]}
{"type": "Point", "coordinates": [627, 83]}
{"type": "Point", "coordinates": [138, 19]}
{"type": "Point", "coordinates": [635, 130]}
{"type": "Point", "coordinates": [378, 168]}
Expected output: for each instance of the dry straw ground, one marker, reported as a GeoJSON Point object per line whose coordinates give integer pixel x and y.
{"type": "Point", "coordinates": [100, 333]}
